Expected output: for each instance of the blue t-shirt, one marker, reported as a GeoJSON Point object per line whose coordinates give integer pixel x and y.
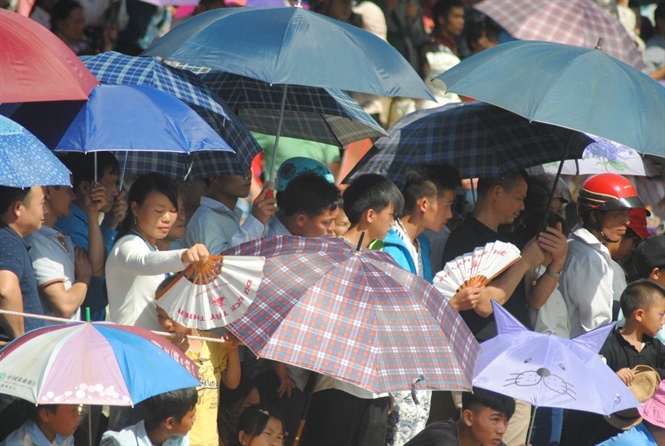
{"type": "Point", "coordinates": [14, 257]}
{"type": "Point", "coordinates": [638, 435]}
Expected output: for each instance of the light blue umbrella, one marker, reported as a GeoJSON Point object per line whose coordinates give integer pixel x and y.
{"type": "Point", "coordinates": [579, 88]}
{"type": "Point", "coordinates": [291, 46]}
{"type": "Point", "coordinates": [25, 161]}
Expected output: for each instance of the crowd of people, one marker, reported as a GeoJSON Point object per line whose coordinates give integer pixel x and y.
{"type": "Point", "coordinates": [589, 257]}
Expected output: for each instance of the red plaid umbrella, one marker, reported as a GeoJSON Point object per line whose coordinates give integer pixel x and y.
{"type": "Point", "coordinates": [356, 316]}
{"type": "Point", "coordinates": [574, 22]}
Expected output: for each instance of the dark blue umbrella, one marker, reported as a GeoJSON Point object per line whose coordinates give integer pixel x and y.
{"type": "Point", "coordinates": [318, 114]}
{"type": "Point", "coordinates": [479, 139]}
{"type": "Point", "coordinates": [568, 86]}
{"type": "Point", "coordinates": [115, 68]}
{"type": "Point", "coordinates": [291, 46]}
{"type": "Point", "coordinates": [25, 161]}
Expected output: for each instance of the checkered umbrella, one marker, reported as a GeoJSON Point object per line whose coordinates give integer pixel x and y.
{"type": "Point", "coordinates": [115, 68]}
{"type": "Point", "coordinates": [575, 22]}
{"type": "Point", "coordinates": [318, 114]}
{"type": "Point", "coordinates": [479, 139]}
{"type": "Point", "coordinates": [356, 316]}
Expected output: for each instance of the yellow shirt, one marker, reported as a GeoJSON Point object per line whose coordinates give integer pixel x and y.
{"type": "Point", "coordinates": [212, 362]}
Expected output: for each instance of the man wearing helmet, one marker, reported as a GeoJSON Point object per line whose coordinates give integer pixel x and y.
{"type": "Point", "coordinates": [603, 205]}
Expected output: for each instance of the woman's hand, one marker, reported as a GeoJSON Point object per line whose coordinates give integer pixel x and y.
{"type": "Point", "coordinates": [196, 255]}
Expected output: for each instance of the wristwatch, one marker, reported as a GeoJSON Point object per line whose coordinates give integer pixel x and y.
{"type": "Point", "coordinates": [553, 274]}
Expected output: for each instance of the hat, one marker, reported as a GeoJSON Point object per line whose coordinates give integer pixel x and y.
{"type": "Point", "coordinates": [297, 166]}
{"type": "Point", "coordinates": [643, 387]}
{"type": "Point", "coordinates": [653, 410]}
{"type": "Point", "coordinates": [649, 254]}
{"type": "Point", "coordinates": [638, 222]}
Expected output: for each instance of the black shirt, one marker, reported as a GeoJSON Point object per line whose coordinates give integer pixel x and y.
{"type": "Point", "coordinates": [621, 354]}
{"type": "Point", "coordinates": [470, 234]}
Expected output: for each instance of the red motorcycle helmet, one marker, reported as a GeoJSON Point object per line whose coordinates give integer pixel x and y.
{"type": "Point", "coordinates": [605, 192]}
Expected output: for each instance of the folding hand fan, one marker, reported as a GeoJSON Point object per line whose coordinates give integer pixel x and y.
{"type": "Point", "coordinates": [480, 266]}
{"type": "Point", "coordinates": [214, 294]}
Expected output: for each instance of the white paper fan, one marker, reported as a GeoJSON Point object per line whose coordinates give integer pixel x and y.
{"type": "Point", "coordinates": [480, 266]}
{"type": "Point", "coordinates": [214, 294]}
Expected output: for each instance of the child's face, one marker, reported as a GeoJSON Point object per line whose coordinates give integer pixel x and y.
{"type": "Point", "coordinates": [272, 435]}
{"type": "Point", "coordinates": [182, 427]}
{"type": "Point", "coordinates": [64, 421]}
{"type": "Point", "coordinates": [341, 223]}
{"type": "Point", "coordinates": [653, 318]}
{"type": "Point", "coordinates": [167, 324]}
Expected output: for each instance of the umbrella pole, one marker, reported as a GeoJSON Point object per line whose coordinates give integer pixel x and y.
{"type": "Point", "coordinates": [271, 178]}
{"type": "Point", "coordinates": [556, 180]}
{"type": "Point", "coordinates": [533, 418]}
{"type": "Point", "coordinates": [90, 424]}
{"type": "Point", "coordinates": [95, 155]}
{"type": "Point", "coordinates": [122, 173]}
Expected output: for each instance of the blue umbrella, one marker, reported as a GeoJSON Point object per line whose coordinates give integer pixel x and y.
{"type": "Point", "coordinates": [291, 46]}
{"type": "Point", "coordinates": [479, 139]}
{"type": "Point", "coordinates": [115, 68]}
{"type": "Point", "coordinates": [132, 119]}
{"type": "Point", "coordinates": [568, 86]}
{"type": "Point", "coordinates": [548, 371]}
{"type": "Point", "coordinates": [25, 161]}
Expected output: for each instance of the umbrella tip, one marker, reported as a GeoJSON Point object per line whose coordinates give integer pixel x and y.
{"type": "Point", "coordinates": [599, 45]}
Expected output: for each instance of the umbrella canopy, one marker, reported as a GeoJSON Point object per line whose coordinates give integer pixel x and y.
{"type": "Point", "coordinates": [548, 371]}
{"type": "Point", "coordinates": [317, 114]}
{"type": "Point", "coordinates": [93, 363]}
{"type": "Point", "coordinates": [291, 46]}
{"type": "Point", "coordinates": [605, 156]}
{"type": "Point", "coordinates": [35, 65]}
{"type": "Point", "coordinates": [479, 139]}
{"type": "Point", "coordinates": [133, 119]}
{"type": "Point", "coordinates": [568, 86]}
{"type": "Point", "coordinates": [356, 316]}
{"type": "Point", "coordinates": [25, 161]}
{"type": "Point", "coordinates": [574, 22]}
{"type": "Point", "coordinates": [115, 68]}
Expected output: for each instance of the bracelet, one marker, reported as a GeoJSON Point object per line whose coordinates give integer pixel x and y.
{"type": "Point", "coordinates": [552, 274]}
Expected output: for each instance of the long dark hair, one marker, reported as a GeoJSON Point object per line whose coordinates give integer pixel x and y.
{"type": "Point", "coordinates": [141, 188]}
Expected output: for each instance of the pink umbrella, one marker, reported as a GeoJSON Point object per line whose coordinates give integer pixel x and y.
{"type": "Point", "coordinates": [574, 22]}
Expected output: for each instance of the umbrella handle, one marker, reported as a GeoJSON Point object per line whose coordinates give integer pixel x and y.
{"type": "Point", "coordinates": [533, 418]}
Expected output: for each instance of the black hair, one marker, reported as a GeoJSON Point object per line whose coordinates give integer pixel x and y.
{"type": "Point", "coordinates": [478, 399]}
{"type": "Point", "coordinates": [443, 7]}
{"type": "Point", "coordinates": [309, 194]}
{"type": "Point", "coordinates": [371, 191]}
{"type": "Point", "coordinates": [143, 186]}
{"type": "Point", "coordinates": [255, 418]}
{"type": "Point", "coordinates": [640, 294]}
{"type": "Point", "coordinates": [33, 412]}
{"type": "Point", "coordinates": [61, 11]}
{"type": "Point", "coordinates": [175, 403]}
{"type": "Point", "coordinates": [164, 283]}
{"type": "Point", "coordinates": [10, 195]}
{"type": "Point", "coordinates": [82, 165]}
{"type": "Point", "coordinates": [508, 182]}
{"type": "Point", "coordinates": [428, 181]}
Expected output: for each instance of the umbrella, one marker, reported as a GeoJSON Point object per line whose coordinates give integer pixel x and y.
{"type": "Point", "coordinates": [568, 86]}
{"type": "Point", "coordinates": [25, 161]}
{"type": "Point", "coordinates": [353, 315]}
{"type": "Point", "coordinates": [35, 65]}
{"type": "Point", "coordinates": [129, 118]}
{"type": "Point", "coordinates": [605, 156]}
{"type": "Point", "coordinates": [478, 139]}
{"type": "Point", "coordinates": [115, 68]}
{"type": "Point", "coordinates": [548, 371]}
{"type": "Point", "coordinates": [318, 114]}
{"type": "Point", "coordinates": [574, 22]}
{"type": "Point", "coordinates": [291, 46]}
{"type": "Point", "coordinates": [93, 363]}
{"type": "Point", "coordinates": [214, 294]}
